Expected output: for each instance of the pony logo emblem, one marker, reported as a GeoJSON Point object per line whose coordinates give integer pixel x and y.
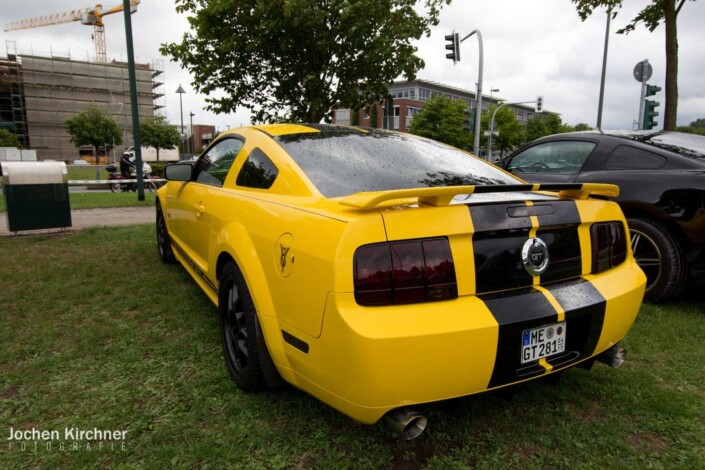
{"type": "Point", "coordinates": [284, 251]}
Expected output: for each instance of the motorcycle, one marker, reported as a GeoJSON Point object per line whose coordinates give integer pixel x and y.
{"type": "Point", "coordinates": [120, 183]}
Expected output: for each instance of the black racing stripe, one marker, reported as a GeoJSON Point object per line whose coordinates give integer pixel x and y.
{"type": "Point", "coordinates": [584, 309]}
{"type": "Point", "coordinates": [565, 258]}
{"type": "Point", "coordinates": [497, 244]}
{"type": "Point", "coordinates": [498, 264]}
{"type": "Point", "coordinates": [495, 217]}
{"type": "Point", "coordinates": [564, 213]}
{"type": "Point", "coordinates": [515, 312]}
{"type": "Point", "coordinates": [501, 231]}
{"type": "Point", "coordinates": [528, 308]}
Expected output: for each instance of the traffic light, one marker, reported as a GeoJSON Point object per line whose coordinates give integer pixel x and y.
{"type": "Point", "coordinates": [652, 90]}
{"type": "Point", "coordinates": [650, 107]}
{"type": "Point", "coordinates": [453, 47]}
{"type": "Point", "coordinates": [539, 104]}
{"type": "Point", "coordinates": [469, 120]}
{"type": "Point", "coordinates": [650, 113]}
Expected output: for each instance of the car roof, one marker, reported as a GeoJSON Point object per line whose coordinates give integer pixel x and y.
{"type": "Point", "coordinates": [682, 143]}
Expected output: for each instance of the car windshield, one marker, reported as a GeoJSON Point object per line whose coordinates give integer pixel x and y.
{"type": "Point", "coordinates": [342, 161]}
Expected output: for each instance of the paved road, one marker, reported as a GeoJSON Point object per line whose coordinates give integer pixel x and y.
{"type": "Point", "coordinates": [84, 218]}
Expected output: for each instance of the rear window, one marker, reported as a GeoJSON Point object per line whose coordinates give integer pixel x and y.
{"type": "Point", "coordinates": [626, 157]}
{"type": "Point", "coordinates": [341, 162]}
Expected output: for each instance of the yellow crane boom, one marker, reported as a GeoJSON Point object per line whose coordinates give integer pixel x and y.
{"type": "Point", "coordinates": [90, 16]}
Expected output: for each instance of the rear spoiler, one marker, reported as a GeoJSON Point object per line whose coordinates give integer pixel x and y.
{"type": "Point", "coordinates": [443, 195]}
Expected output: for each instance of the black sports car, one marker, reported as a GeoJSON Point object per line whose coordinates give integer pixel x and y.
{"type": "Point", "coordinates": [661, 176]}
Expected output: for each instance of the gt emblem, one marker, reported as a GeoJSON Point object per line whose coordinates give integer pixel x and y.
{"type": "Point", "coordinates": [284, 251]}
{"type": "Point", "coordinates": [534, 256]}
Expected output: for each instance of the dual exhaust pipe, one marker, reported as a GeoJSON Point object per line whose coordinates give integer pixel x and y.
{"type": "Point", "coordinates": [410, 424]}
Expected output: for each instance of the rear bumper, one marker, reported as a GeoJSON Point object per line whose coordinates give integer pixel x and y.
{"type": "Point", "coordinates": [368, 361]}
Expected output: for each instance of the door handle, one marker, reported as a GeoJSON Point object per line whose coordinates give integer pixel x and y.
{"type": "Point", "coordinates": [200, 209]}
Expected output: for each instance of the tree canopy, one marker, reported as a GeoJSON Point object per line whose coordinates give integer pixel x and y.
{"type": "Point", "coordinates": [156, 132]}
{"type": "Point", "coordinates": [9, 139]}
{"type": "Point", "coordinates": [510, 131]}
{"type": "Point", "coordinates": [300, 59]}
{"type": "Point", "coordinates": [442, 119]}
{"type": "Point", "coordinates": [93, 127]}
{"type": "Point", "coordinates": [652, 15]}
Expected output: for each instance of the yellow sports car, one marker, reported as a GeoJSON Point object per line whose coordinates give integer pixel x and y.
{"type": "Point", "coordinates": [378, 270]}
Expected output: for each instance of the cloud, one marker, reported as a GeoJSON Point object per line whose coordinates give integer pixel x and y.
{"type": "Point", "coordinates": [530, 49]}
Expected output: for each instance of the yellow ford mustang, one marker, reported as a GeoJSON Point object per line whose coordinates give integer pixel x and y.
{"type": "Point", "coordinates": [379, 270]}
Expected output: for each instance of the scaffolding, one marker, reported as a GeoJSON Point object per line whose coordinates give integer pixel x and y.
{"type": "Point", "coordinates": [39, 92]}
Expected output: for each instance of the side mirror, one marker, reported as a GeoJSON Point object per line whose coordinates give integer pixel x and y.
{"type": "Point", "coordinates": [178, 171]}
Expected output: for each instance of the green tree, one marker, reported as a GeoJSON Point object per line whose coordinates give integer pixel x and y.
{"type": "Point", "coordinates": [156, 132]}
{"type": "Point", "coordinates": [581, 126]}
{"type": "Point", "coordinates": [698, 123]}
{"type": "Point", "coordinates": [9, 139]}
{"type": "Point", "coordinates": [510, 131]}
{"type": "Point", "coordinates": [442, 119]}
{"type": "Point", "coordinates": [95, 128]}
{"type": "Point", "coordinates": [652, 15]}
{"type": "Point", "coordinates": [300, 59]}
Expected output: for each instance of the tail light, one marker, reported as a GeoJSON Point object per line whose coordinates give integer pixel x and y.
{"type": "Point", "coordinates": [404, 272]}
{"type": "Point", "coordinates": [609, 245]}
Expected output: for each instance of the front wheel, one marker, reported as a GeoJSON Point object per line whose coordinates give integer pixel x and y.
{"type": "Point", "coordinates": [163, 240]}
{"type": "Point", "coordinates": [659, 256]}
{"type": "Point", "coordinates": [115, 187]}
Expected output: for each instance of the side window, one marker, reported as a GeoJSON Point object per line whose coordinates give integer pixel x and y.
{"type": "Point", "coordinates": [258, 171]}
{"type": "Point", "coordinates": [213, 166]}
{"type": "Point", "coordinates": [626, 157]}
{"type": "Point", "coordinates": [562, 157]}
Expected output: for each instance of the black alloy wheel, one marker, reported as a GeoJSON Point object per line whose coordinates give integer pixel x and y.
{"type": "Point", "coordinates": [239, 330]}
{"type": "Point", "coordinates": [659, 256]}
{"type": "Point", "coordinates": [166, 252]}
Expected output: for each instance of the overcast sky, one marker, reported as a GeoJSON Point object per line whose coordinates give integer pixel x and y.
{"type": "Point", "coordinates": [531, 48]}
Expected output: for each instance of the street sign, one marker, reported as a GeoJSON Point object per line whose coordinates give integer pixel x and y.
{"type": "Point", "coordinates": [487, 133]}
{"type": "Point", "coordinates": [641, 75]}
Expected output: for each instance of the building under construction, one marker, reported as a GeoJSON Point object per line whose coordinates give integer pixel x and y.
{"type": "Point", "coordinates": [38, 93]}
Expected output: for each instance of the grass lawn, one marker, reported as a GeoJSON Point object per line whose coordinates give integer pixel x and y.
{"type": "Point", "coordinates": [124, 342]}
{"type": "Point", "coordinates": [94, 200]}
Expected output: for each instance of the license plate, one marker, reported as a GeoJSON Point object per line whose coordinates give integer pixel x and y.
{"type": "Point", "coordinates": [542, 342]}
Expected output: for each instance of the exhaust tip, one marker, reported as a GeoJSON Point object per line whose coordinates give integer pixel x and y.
{"type": "Point", "coordinates": [409, 423]}
{"type": "Point", "coordinates": [613, 357]}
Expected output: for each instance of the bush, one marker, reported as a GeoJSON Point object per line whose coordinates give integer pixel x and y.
{"type": "Point", "coordinates": [158, 168]}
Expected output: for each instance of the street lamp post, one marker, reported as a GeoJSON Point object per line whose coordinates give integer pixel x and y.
{"type": "Point", "coordinates": [489, 145]}
{"type": "Point", "coordinates": [478, 95]}
{"type": "Point", "coordinates": [181, 91]}
{"type": "Point", "coordinates": [191, 137]}
{"type": "Point", "coordinates": [493, 90]}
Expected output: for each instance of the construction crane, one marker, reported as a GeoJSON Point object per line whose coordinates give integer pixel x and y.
{"type": "Point", "coordinates": [91, 16]}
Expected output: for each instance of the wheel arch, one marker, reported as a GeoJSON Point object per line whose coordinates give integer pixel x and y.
{"type": "Point", "coordinates": [635, 210]}
{"type": "Point", "coordinates": [243, 255]}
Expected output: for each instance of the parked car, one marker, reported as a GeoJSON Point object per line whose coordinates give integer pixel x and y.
{"type": "Point", "coordinates": [378, 270]}
{"type": "Point", "coordinates": [661, 176]}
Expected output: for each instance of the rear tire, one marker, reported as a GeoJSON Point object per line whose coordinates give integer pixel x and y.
{"type": "Point", "coordinates": [660, 257]}
{"type": "Point", "coordinates": [115, 187]}
{"type": "Point", "coordinates": [246, 356]}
